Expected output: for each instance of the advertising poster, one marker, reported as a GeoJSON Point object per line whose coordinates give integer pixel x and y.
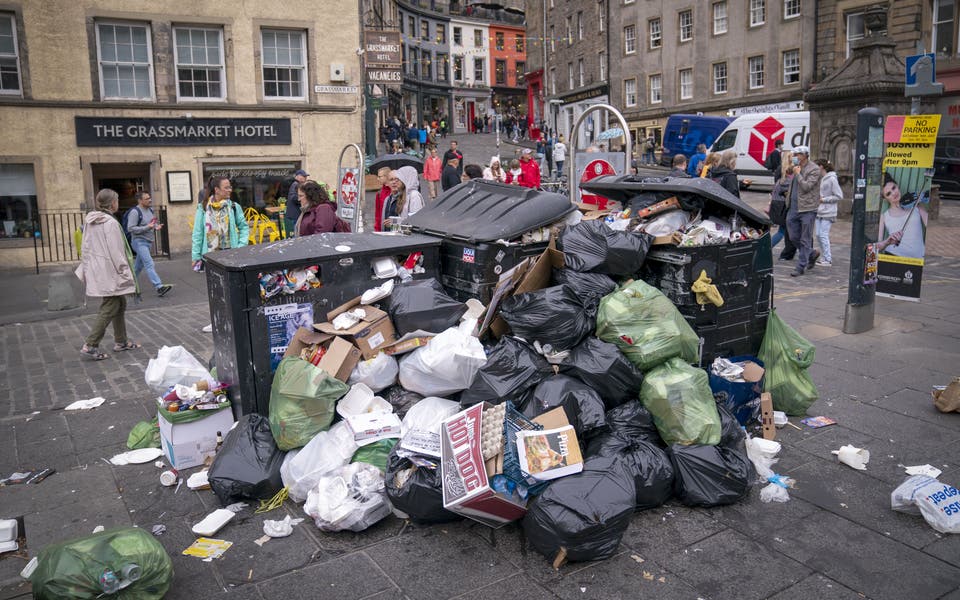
{"type": "Point", "coordinates": [283, 320]}
{"type": "Point", "coordinates": [903, 198]}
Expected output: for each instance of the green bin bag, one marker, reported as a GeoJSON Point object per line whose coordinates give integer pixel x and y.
{"type": "Point", "coordinates": [144, 435]}
{"type": "Point", "coordinates": [679, 398]}
{"type": "Point", "coordinates": [786, 356]}
{"type": "Point", "coordinates": [646, 326]}
{"type": "Point", "coordinates": [375, 454]}
{"type": "Point", "coordinates": [302, 402]}
{"type": "Point", "coordinates": [72, 569]}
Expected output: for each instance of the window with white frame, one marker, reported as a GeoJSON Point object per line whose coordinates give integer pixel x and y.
{"type": "Point", "coordinates": [284, 64]}
{"type": "Point", "coordinates": [791, 9]}
{"type": "Point", "coordinates": [758, 12]}
{"type": "Point", "coordinates": [569, 76]}
{"type": "Point", "coordinates": [580, 73]}
{"type": "Point", "coordinates": [720, 78]}
{"type": "Point", "coordinates": [655, 84]}
{"type": "Point", "coordinates": [686, 84]}
{"type": "Point", "coordinates": [601, 14]}
{"type": "Point", "coordinates": [630, 39]}
{"type": "Point", "coordinates": [686, 26]}
{"type": "Point", "coordinates": [553, 80]}
{"type": "Point", "coordinates": [602, 59]}
{"type": "Point", "coordinates": [755, 69]}
{"type": "Point", "coordinates": [719, 17]}
{"type": "Point", "coordinates": [198, 52]}
{"type": "Point", "coordinates": [942, 39]}
{"type": "Point", "coordinates": [791, 67]}
{"type": "Point", "coordinates": [630, 92]}
{"type": "Point", "coordinates": [126, 61]}
{"type": "Point", "coordinates": [479, 70]}
{"type": "Point", "coordinates": [9, 56]}
{"type": "Point", "coordinates": [656, 33]}
{"type": "Point", "coordinates": [580, 25]}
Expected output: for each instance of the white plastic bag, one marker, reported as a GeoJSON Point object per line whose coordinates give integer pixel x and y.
{"type": "Point", "coordinates": [446, 365]}
{"type": "Point", "coordinates": [174, 365]}
{"type": "Point", "coordinates": [352, 498]}
{"type": "Point", "coordinates": [763, 454]}
{"type": "Point", "coordinates": [378, 373]}
{"type": "Point", "coordinates": [328, 450]}
{"type": "Point", "coordinates": [420, 429]}
{"type": "Point", "coordinates": [939, 503]}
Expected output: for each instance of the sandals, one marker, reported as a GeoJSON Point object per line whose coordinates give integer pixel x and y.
{"type": "Point", "coordinates": [93, 352]}
{"type": "Point", "coordinates": [126, 346]}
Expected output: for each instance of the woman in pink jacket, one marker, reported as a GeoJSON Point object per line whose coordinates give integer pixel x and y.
{"type": "Point", "coordinates": [432, 168]}
{"type": "Point", "coordinates": [106, 269]}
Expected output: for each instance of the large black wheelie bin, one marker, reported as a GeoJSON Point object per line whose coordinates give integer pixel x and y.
{"type": "Point", "coordinates": [240, 328]}
{"type": "Point", "coordinates": [481, 224]}
{"type": "Point", "coordinates": [742, 271]}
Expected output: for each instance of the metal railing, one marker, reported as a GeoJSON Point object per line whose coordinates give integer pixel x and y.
{"type": "Point", "coordinates": [54, 233]}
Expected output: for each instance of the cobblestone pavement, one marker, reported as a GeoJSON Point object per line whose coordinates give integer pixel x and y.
{"type": "Point", "coordinates": [836, 538]}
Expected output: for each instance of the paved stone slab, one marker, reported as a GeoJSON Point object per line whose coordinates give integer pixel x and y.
{"type": "Point", "coordinates": [63, 487]}
{"type": "Point", "coordinates": [516, 586]}
{"type": "Point", "coordinates": [345, 542]}
{"type": "Point", "coordinates": [72, 520]}
{"type": "Point", "coordinates": [713, 571]}
{"type": "Point", "coordinates": [758, 520]}
{"type": "Point", "coordinates": [946, 548]}
{"type": "Point", "coordinates": [659, 532]}
{"type": "Point", "coordinates": [352, 576]}
{"type": "Point", "coordinates": [919, 405]}
{"type": "Point", "coordinates": [865, 561]}
{"type": "Point", "coordinates": [819, 587]}
{"type": "Point", "coordinates": [623, 576]}
{"type": "Point", "coordinates": [440, 562]}
{"type": "Point", "coordinates": [245, 562]}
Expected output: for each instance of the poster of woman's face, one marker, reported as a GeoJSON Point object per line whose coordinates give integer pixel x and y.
{"type": "Point", "coordinates": [903, 211]}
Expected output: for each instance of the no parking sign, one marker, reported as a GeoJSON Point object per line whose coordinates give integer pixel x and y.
{"type": "Point", "coordinates": [348, 196]}
{"type": "Point", "coordinates": [590, 165]}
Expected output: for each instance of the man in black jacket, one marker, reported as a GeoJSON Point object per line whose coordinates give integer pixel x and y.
{"type": "Point", "coordinates": [774, 162]}
{"type": "Point", "coordinates": [451, 174]}
{"type": "Point", "coordinates": [454, 152]}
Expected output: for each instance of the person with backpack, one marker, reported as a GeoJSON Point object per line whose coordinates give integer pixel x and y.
{"type": "Point", "coordinates": [696, 161]}
{"type": "Point", "coordinates": [106, 271]}
{"type": "Point", "coordinates": [774, 162]}
{"type": "Point", "coordinates": [319, 211]}
{"type": "Point", "coordinates": [219, 223]}
{"type": "Point", "coordinates": [724, 173]}
{"type": "Point", "coordinates": [139, 224]}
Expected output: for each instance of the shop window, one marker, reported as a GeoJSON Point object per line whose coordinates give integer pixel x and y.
{"type": "Point", "coordinates": [255, 185]}
{"type": "Point", "coordinates": [18, 201]}
{"type": "Point", "coordinates": [199, 56]}
{"type": "Point", "coordinates": [284, 64]}
{"type": "Point", "coordinates": [9, 56]}
{"type": "Point", "coordinates": [126, 61]}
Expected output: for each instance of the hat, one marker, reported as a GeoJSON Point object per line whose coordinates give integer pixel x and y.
{"type": "Point", "coordinates": [801, 150]}
{"type": "Point", "coordinates": [527, 151]}
{"type": "Point", "coordinates": [301, 172]}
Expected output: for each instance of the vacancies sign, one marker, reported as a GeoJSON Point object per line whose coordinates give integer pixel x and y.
{"type": "Point", "coordinates": [97, 131]}
{"type": "Point", "coordinates": [383, 56]}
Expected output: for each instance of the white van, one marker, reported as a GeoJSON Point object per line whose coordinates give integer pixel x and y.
{"type": "Point", "coordinates": [753, 136]}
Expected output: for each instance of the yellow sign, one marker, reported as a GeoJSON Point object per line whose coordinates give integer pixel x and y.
{"type": "Point", "coordinates": [901, 260]}
{"type": "Point", "coordinates": [911, 129]}
{"type": "Point", "coordinates": [909, 155]}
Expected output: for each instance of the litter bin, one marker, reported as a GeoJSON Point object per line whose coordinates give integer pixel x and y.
{"type": "Point", "coordinates": [482, 224]}
{"type": "Point", "coordinates": [742, 271]}
{"type": "Point", "coordinates": [242, 331]}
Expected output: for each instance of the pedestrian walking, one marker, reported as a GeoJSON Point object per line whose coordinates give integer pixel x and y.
{"type": "Point", "coordinates": [830, 195]}
{"type": "Point", "coordinates": [140, 224]}
{"type": "Point", "coordinates": [551, 140]}
{"type": "Point", "coordinates": [432, 170]}
{"type": "Point", "coordinates": [774, 162]}
{"type": "Point", "coordinates": [778, 208]}
{"type": "Point", "coordinates": [559, 155]}
{"type": "Point", "coordinates": [454, 151]}
{"type": "Point", "coordinates": [803, 199]}
{"type": "Point", "coordinates": [696, 161]}
{"type": "Point", "coordinates": [451, 173]}
{"type": "Point", "coordinates": [106, 271]}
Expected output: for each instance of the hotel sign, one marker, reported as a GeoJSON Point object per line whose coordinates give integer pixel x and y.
{"type": "Point", "coordinates": [117, 131]}
{"type": "Point", "coordinates": [383, 56]}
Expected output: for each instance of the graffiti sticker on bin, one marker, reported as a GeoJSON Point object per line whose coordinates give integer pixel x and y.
{"type": "Point", "coordinates": [469, 255]}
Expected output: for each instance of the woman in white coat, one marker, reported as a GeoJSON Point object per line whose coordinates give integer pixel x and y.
{"type": "Point", "coordinates": [405, 200]}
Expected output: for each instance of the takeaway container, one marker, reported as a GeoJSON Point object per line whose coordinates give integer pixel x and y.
{"type": "Point", "coordinates": [250, 331]}
{"type": "Point", "coordinates": [482, 224]}
{"type": "Point", "coordinates": [742, 271]}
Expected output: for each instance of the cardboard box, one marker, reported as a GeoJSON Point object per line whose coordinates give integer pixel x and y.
{"type": "Point", "coordinates": [341, 357]}
{"type": "Point", "coordinates": [752, 372]}
{"type": "Point", "coordinates": [369, 417]}
{"type": "Point", "coordinates": [190, 444]}
{"type": "Point", "coordinates": [373, 332]}
{"type": "Point", "coordinates": [534, 276]}
{"type": "Point", "coordinates": [766, 416]}
{"type": "Point", "coordinates": [466, 485]}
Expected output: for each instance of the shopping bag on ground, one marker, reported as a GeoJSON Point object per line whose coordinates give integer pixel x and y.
{"type": "Point", "coordinates": [302, 401]}
{"type": "Point", "coordinates": [174, 365]}
{"type": "Point", "coordinates": [786, 356]}
{"type": "Point", "coordinates": [939, 503]}
{"type": "Point", "coordinates": [679, 398]}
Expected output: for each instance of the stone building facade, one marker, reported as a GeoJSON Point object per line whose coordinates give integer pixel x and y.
{"type": "Point", "coordinates": [158, 97]}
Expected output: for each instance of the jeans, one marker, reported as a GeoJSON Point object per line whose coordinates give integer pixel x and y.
{"type": "Point", "coordinates": [779, 235]}
{"type": "Point", "coordinates": [112, 310]}
{"type": "Point", "coordinates": [823, 236]}
{"type": "Point", "coordinates": [801, 233]}
{"type": "Point", "coordinates": [560, 168]}
{"type": "Point", "coordinates": [144, 261]}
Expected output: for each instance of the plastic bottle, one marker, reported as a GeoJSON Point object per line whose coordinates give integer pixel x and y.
{"type": "Point", "coordinates": [109, 582]}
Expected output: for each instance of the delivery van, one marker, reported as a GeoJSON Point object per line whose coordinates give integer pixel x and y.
{"type": "Point", "coordinates": [752, 137]}
{"type": "Point", "coordinates": [683, 133]}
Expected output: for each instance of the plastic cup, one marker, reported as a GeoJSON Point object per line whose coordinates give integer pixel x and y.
{"type": "Point", "coordinates": [168, 478]}
{"type": "Point", "coordinates": [853, 457]}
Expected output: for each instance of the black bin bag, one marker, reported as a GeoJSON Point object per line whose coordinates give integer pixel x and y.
{"type": "Point", "coordinates": [423, 304]}
{"type": "Point", "coordinates": [247, 467]}
{"type": "Point", "coordinates": [416, 490]}
{"type": "Point", "coordinates": [710, 475]}
{"type": "Point", "coordinates": [633, 421]}
{"type": "Point", "coordinates": [592, 247]}
{"type": "Point", "coordinates": [650, 466]}
{"type": "Point", "coordinates": [553, 316]}
{"type": "Point", "coordinates": [583, 406]}
{"type": "Point", "coordinates": [603, 367]}
{"type": "Point", "coordinates": [585, 514]}
{"type": "Point", "coordinates": [512, 370]}
{"type": "Point", "coordinates": [732, 434]}
{"type": "Point", "coordinates": [590, 287]}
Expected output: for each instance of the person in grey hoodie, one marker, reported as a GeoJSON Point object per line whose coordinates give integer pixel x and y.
{"type": "Point", "coordinates": [830, 195]}
{"type": "Point", "coordinates": [405, 200]}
